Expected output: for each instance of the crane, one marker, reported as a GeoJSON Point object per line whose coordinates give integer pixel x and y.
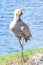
{"type": "Point", "coordinates": [20, 29]}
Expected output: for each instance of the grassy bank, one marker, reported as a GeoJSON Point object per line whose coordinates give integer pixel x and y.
{"type": "Point", "coordinates": [6, 60]}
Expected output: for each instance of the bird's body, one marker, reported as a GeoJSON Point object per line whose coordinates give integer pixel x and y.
{"type": "Point", "coordinates": [20, 29]}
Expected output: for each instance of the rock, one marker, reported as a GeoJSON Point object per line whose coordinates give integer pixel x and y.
{"type": "Point", "coordinates": [36, 60]}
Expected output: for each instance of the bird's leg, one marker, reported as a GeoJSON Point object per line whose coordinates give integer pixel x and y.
{"type": "Point", "coordinates": [22, 51]}
{"type": "Point", "coordinates": [22, 57]}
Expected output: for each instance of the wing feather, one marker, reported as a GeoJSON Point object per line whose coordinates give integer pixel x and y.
{"type": "Point", "coordinates": [25, 29]}
{"type": "Point", "coordinates": [26, 32]}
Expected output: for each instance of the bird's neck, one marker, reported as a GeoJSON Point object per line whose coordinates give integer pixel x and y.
{"type": "Point", "coordinates": [17, 18]}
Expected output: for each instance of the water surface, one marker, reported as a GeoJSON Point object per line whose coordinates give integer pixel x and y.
{"type": "Point", "coordinates": [32, 15]}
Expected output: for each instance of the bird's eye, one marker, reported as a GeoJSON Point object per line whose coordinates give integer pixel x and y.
{"type": "Point", "coordinates": [16, 13]}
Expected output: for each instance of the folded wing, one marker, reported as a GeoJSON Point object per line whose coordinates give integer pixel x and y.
{"type": "Point", "coordinates": [26, 32]}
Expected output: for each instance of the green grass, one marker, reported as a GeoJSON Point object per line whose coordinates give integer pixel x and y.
{"type": "Point", "coordinates": [6, 60]}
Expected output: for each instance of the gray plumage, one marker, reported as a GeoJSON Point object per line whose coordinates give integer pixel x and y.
{"type": "Point", "coordinates": [19, 28]}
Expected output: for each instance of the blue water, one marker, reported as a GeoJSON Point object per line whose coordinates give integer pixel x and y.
{"type": "Point", "coordinates": [32, 15]}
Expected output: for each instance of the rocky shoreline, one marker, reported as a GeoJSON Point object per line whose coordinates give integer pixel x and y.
{"type": "Point", "coordinates": [36, 60]}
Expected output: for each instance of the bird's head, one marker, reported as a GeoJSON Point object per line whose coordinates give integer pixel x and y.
{"type": "Point", "coordinates": [18, 12]}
